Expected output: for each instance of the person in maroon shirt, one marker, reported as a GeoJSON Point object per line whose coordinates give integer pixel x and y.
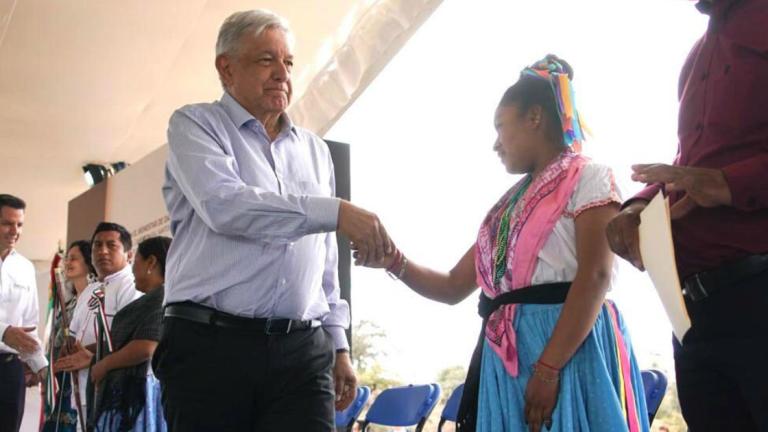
{"type": "Point", "coordinates": [718, 188]}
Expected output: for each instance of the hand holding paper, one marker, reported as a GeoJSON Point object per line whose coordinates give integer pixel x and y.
{"type": "Point", "coordinates": [658, 253]}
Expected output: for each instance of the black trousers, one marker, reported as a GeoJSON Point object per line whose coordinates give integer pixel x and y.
{"type": "Point", "coordinates": [722, 366]}
{"type": "Point", "coordinates": [12, 393]}
{"type": "Point", "coordinates": [231, 379]}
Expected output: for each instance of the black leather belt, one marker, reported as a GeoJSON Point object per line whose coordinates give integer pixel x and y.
{"type": "Point", "coordinates": [7, 357]}
{"type": "Point", "coordinates": [201, 314]}
{"type": "Point", "coordinates": [702, 285]}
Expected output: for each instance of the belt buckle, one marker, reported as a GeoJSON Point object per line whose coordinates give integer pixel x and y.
{"type": "Point", "coordinates": [273, 326]}
{"type": "Point", "coordinates": [694, 289]}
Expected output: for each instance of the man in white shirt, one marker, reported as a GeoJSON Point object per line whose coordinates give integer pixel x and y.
{"type": "Point", "coordinates": [111, 255]}
{"type": "Point", "coordinates": [19, 316]}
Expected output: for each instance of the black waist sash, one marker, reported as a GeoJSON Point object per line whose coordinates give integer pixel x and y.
{"type": "Point", "coordinates": [552, 293]}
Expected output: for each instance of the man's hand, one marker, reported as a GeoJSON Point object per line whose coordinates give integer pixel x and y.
{"type": "Point", "coordinates": [385, 262]}
{"type": "Point", "coordinates": [19, 339]}
{"type": "Point", "coordinates": [80, 359]}
{"type": "Point", "coordinates": [623, 233]}
{"type": "Point", "coordinates": [32, 379]}
{"type": "Point", "coordinates": [345, 379]}
{"type": "Point", "coordinates": [365, 231]}
{"type": "Point", "coordinates": [703, 187]}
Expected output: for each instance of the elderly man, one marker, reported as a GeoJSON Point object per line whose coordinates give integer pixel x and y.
{"type": "Point", "coordinates": [253, 336]}
{"type": "Point", "coordinates": [719, 191]}
{"type": "Point", "coordinates": [18, 317]}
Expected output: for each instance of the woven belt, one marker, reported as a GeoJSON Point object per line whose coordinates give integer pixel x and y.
{"type": "Point", "coordinates": [201, 314]}
{"type": "Point", "coordinates": [702, 285]}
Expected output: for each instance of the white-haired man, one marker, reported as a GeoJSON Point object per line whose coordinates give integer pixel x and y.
{"type": "Point", "coordinates": [253, 335]}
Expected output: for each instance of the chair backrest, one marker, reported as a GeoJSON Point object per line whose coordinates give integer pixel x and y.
{"type": "Point", "coordinates": [345, 419]}
{"type": "Point", "coordinates": [655, 384]}
{"type": "Point", "coordinates": [451, 410]}
{"type": "Point", "coordinates": [403, 406]}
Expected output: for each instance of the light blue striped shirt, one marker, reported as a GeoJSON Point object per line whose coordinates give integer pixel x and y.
{"type": "Point", "coordinates": [252, 220]}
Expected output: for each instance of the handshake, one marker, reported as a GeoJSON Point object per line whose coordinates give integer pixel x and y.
{"type": "Point", "coordinates": [368, 239]}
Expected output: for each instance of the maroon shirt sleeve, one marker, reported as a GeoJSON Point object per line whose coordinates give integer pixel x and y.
{"type": "Point", "coordinates": [747, 181]}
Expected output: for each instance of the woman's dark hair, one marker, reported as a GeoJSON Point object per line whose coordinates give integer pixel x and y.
{"type": "Point", "coordinates": [85, 250]}
{"type": "Point", "coordinates": [156, 247]}
{"type": "Point", "coordinates": [530, 91]}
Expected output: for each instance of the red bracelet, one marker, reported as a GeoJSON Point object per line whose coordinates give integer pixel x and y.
{"type": "Point", "coordinates": [550, 367]}
{"type": "Point", "coordinates": [397, 261]}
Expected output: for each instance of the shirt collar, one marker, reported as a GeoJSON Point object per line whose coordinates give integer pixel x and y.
{"type": "Point", "coordinates": [12, 253]}
{"type": "Point", "coordinates": [240, 116]}
{"type": "Point", "coordinates": [714, 8]}
{"type": "Point", "coordinates": [124, 272]}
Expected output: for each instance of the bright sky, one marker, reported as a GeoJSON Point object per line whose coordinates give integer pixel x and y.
{"type": "Point", "coordinates": [421, 139]}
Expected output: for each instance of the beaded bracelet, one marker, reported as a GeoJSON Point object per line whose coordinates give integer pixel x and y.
{"type": "Point", "coordinates": [402, 269]}
{"type": "Point", "coordinates": [398, 265]}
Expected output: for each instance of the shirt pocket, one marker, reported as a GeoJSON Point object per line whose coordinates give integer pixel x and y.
{"type": "Point", "coordinates": [12, 290]}
{"type": "Point", "coordinates": [740, 82]}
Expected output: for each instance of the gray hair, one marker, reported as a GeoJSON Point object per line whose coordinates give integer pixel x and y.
{"type": "Point", "coordinates": [257, 21]}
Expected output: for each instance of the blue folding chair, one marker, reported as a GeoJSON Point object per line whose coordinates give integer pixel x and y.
{"type": "Point", "coordinates": [345, 419]}
{"type": "Point", "coordinates": [403, 406]}
{"type": "Point", "coordinates": [451, 410]}
{"type": "Point", "coordinates": [655, 385]}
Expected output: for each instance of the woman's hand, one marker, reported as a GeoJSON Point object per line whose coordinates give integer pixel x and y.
{"type": "Point", "coordinates": [99, 371]}
{"type": "Point", "coordinates": [541, 398]}
{"type": "Point", "coordinates": [80, 359]}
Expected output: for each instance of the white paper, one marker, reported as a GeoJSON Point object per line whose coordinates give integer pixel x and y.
{"type": "Point", "coordinates": [658, 253]}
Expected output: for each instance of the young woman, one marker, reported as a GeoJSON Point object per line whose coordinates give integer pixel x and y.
{"type": "Point", "coordinates": [553, 352]}
{"type": "Point", "coordinates": [79, 272]}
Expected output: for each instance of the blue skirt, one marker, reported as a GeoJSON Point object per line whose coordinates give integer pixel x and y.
{"type": "Point", "coordinates": [150, 419]}
{"type": "Point", "coordinates": [590, 397]}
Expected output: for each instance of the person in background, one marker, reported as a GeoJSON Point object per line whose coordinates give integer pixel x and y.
{"type": "Point", "coordinates": [111, 253]}
{"type": "Point", "coordinates": [79, 272]}
{"type": "Point", "coordinates": [19, 317]}
{"type": "Point", "coordinates": [129, 394]}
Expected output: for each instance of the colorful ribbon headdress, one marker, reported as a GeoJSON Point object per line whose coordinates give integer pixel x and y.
{"type": "Point", "coordinates": [552, 70]}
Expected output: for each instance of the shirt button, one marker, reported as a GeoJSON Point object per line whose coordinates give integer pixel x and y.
{"type": "Point", "coordinates": [699, 127]}
{"type": "Point", "coordinates": [704, 76]}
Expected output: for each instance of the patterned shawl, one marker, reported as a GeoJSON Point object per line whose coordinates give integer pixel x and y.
{"type": "Point", "coordinates": [532, 220]}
